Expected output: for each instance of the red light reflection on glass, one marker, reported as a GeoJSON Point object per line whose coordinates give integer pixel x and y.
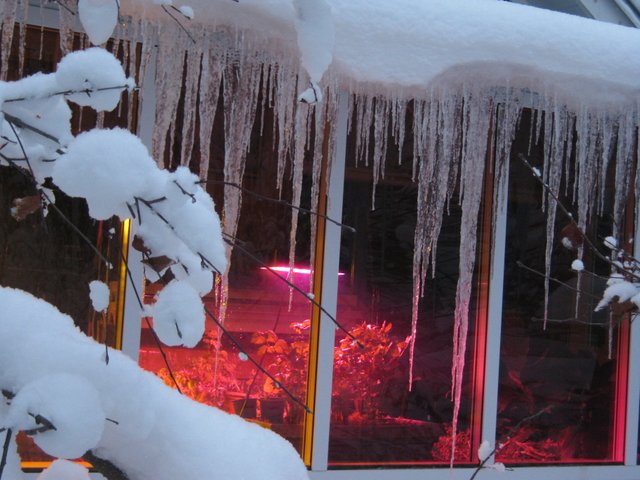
{"type": "Point", "coordinates": [287, 269]}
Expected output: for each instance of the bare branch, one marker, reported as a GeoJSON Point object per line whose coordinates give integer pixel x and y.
{"type": "Point", "coordinates": [175, 19]}
{"type": "Point", "coordinates": [560, 282]}
{"type": "Point", "coordinates": [569, 215]}
{"type": "Point", "coordinates": [5, 450]}
{"type": "Point", "coordinates": [105, 467]}
{"type": "Point", "coordinates": [500, 445]}
{"type": "Point", "coordinates": [234, 243]}
{"type": "Point", "coordinates": [87, 91]}
{"type": "Point", "coordinates": [287, 204]}
{"type": "Point", "coordinates": [45, 425]}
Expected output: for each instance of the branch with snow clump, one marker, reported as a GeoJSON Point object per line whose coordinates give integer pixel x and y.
{"type": "Point", "coordinates": [154, 421]}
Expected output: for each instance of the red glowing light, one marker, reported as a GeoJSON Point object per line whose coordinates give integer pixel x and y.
{"type": "Point", "coordinates": [286, 269]}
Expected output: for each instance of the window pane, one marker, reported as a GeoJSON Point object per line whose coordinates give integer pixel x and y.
{"type": "Point", "coordinates": [376, 418]}
{"type": "Point", "coordinates": [269, 320]}
{"type": "Point", "coordinates": [558, 382]}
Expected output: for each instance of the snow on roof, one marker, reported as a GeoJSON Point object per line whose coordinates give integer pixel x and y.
{"type": "Point", "coordinates": [407, 45]}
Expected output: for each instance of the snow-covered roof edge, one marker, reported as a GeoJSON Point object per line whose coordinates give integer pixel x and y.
{"type": "Point", "coordinates": [403, 48]}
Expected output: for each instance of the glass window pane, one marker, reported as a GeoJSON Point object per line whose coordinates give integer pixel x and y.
{"type": "Point", "coordinates": [376, 417]}
{"type": "Point", "coordinates": [269, 320]}
{"type": "Point", "coordinates": [559, 392]}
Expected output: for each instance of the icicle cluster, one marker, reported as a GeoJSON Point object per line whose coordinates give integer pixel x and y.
{"type": "Point", "coordinates": [451, 149]}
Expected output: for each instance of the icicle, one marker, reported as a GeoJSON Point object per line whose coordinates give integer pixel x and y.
{"type": "Point", "coordinates": [624, 167]}
{"type": "Point", "coordinates": [365, 117]}
{"type": "Point", "coordinates": [476, 125]}
{"type": "Point", "coordinates": [434, 181]}
{"type": "Point", "coordinates": [606, 131]}
{"type": "Point", "coordinates": [190, 84]}
{"type": "Point", "coordinates": [508, 116]}
{"type": "Point", "coordinates": [301, 136]}
{"type": "Point", "coordinates": [241, 87]}
{"type": "Point", "coordinates": [380, 133]}
{"type": "Point", "coordinates": [398, 126]}
{"type": "Point", "coordinates": [554, 154]}
{"type": "Point", "coordinates": [319, 137]}
{"type": "Point", "coordinates": [66, 30]}
{"type": "Point", "coordinates": [22, 36]}
{"type": "Point", "coordinates": [169, 68]}
{"type": "Point", "coordinates": [285, 92]}
{"type": "Point", "coordinates": [148, 35]}
{"type": "Point", "coordinates": [210, 77]}
{"type": "Point", "coordinates": [8, 22]}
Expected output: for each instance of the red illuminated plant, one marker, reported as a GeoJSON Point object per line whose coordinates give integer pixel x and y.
{"type": "Point", "coordinates": [362, 375]}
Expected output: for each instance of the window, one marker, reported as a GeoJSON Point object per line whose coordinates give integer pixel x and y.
{"type": "Point", "coordinates": [377, 418]}
{"type": "Point", "coordinates": [261, 324]}
{"type": "Point", "coordinates": [562, 396]}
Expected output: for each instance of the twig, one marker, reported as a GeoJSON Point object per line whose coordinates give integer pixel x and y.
{"type": "Point", "coordinates": [284, 202]}
{"type": "Point", "coordinates": [22, 124]}
{"type": "Point", "coordinates": [564, 210]}
{"type": "Point", "coordinates": [24, 152]}
{"type": "Point", "coordinates": [105, 467]}
{"type": "Point", "coordinates": [59, 2]}
{"type": "Point", "coordinates": [46, 425]}
{"type": "Point", "coordinates": [234, 243]}
{"type": "Point", "coordinates": [87, 91]}
{"type": "Point", "coordinates": [149, 205]}
{"type": "Point", "coordinates": [570, 320]}
{"type": "Point", "coordinates": [168, 12]}
{"type": "Point", "coordinates": [146, 319]}
{"type": "Point", "coordinates": [499, 445]}
{"type": "Point", "coordinates": [5, 450]}
{"type": "Point", "coordinates": [257, 364]}
{"type": "Point", "coordinates": [564, 284]}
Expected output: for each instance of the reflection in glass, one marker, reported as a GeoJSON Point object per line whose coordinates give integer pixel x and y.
{"type": "Point", "coordinates": [559, 395]}
{"type": "Point", "coordinates": [376, 417]}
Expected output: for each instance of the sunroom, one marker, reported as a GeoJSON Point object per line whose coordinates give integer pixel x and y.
{"type": "Point", "coordinates": [421, 202]}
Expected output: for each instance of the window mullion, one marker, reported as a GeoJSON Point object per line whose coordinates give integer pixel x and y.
{"type": "Point", "coordinates": [329, 300]}
{"type": "Point", "coordinates": [633, 385]}
{"type": "Point", "coordinates": [494, 327]}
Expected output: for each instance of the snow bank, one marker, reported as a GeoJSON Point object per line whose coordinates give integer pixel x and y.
{"type": "Point", "coordinates": [159, 434]}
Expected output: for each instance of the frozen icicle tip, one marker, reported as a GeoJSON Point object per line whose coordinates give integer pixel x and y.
{"type": "Point", "coordinates": [187, 11]}
{"type": "Point", "coordinates": [577, 265]}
